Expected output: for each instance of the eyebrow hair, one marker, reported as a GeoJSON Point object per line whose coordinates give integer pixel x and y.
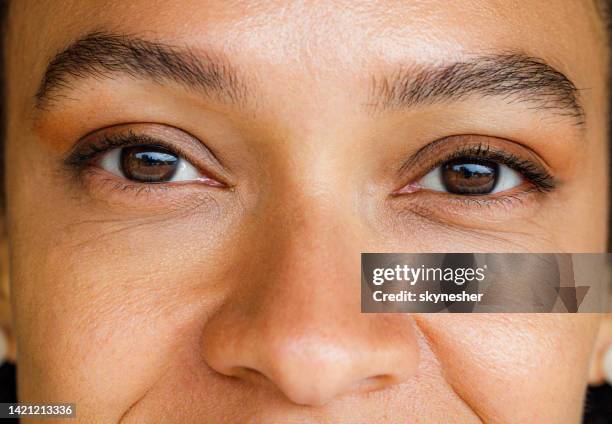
{"type": "Point", "coordinates": [102, 55]}
{"type": "Point", "coordinates": [512, 76]}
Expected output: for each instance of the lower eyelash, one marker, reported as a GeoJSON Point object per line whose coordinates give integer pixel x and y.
{"type": "Point", "coordinates": [503, 200]}
{"type": "Point", "coordinates": [159, 200]}
{"type": "Point", "coordinates": [118, 184]}
{"type": "Point", "coordinates": [446, 209]}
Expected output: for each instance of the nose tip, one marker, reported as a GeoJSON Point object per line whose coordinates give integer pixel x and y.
{"type": "Point", "coordinates": [316, 374]}
{"type": "Point", "coordinates": [317, 384]}
{"type": "Point", "coordinates": [314, 371]}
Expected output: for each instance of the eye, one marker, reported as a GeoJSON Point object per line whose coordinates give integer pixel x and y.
{"type": "Point", "coordinates": [148, 164]}
{"type": "Point", "coordinates": [471, 177]}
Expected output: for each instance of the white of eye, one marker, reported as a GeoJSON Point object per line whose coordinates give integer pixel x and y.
{"type": "Point", "coordinates": [185, 171]}
{"type": "Point", "coordinates": [506, 180]}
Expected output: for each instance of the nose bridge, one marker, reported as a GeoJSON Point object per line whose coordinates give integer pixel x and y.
{"type": "Point", "coordinates": [297, 321]}
{"type": "Point", "coordinates": [319, 236]}
{"type": "Point", "coordinates": [315, 263]}
{"type": "Point", "coordinates": [314, 272]}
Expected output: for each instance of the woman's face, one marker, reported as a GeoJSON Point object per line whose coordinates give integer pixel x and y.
{"type": "Point", "coordinates": [190, 185]}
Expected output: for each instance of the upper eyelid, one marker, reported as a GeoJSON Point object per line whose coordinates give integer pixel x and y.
{"type": "Point", "coordinates": [84, 151]}
{"type": "Point", "coordinates": [490, 150]}
{"type": "Point", "coordinates": [429, 148]}
{"type": "Point", "coordinates": [145, 133]}
{"type": "Point", "coordinates": [474, 152]}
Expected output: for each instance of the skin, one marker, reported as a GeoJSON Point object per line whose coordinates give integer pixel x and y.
{"type": "Point", "coordinates": [207, 304]}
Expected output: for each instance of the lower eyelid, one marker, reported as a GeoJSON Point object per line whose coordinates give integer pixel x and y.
{"type": "Point", "coordinates": [104, 185]}
{"type": "Point", "coordinates": [112, 192]}
{"type": "Point", "coordinates": [471, 212]}
{"type": "Point", "coordinates": [520, 195]}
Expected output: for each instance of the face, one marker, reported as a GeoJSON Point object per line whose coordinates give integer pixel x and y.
{"type": "Point", "coordinates": [190, 186]}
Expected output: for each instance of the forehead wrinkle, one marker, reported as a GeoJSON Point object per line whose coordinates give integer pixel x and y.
{"type": "Point", "coordinates": [102, 55]}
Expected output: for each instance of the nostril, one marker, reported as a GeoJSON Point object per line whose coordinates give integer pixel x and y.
{"type": "Point", "coordinates": [372, 384]}
{"type": "Point", "coordinates": [244, 373]}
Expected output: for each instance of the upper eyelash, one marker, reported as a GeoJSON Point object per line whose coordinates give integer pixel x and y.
{"type": "Point", "coordinates": [82, 155]}
{"type": "Point", "coordinates": [542, 180]}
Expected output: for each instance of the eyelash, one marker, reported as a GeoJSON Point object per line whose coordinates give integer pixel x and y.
{"type": "Point", "coordinates": [83, 155]}
{"type": "Point", "coordinates": [540, 179]}
{"type": "Point", "coordinates": [79, 163]}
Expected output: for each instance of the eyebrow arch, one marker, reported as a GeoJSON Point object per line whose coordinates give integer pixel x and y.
{"type": "Point", "coordinates": [102, 55]}
{"type": "Point", "coordinates": [512, 76]}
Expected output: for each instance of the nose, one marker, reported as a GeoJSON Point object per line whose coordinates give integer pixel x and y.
{"type": "Point", "coordinates": [294, 321]}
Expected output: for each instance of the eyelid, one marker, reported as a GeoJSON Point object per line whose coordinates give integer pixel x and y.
{"type": "Point", "coordinates": [188, 147]}
{"type": "Point", "coordinates": [514, 155]}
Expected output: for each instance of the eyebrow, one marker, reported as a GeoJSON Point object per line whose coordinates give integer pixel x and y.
{"type": "Point", "coordinates": [512, 76]}
{"type": "Point", "coordinates": [102, 55]}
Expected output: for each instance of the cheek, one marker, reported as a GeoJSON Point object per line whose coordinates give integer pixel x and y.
{"type": "Point", "coordinates": [102, 312]}
{"type": "Point", "coordinates": [504, 364]}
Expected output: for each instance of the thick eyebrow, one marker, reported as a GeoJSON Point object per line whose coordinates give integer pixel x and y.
{"type": "Point", "coordinates": [512, 76]}
{"type": "Point", "coordinates": [102, 55]}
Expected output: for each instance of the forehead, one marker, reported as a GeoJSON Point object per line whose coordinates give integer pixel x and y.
{"type": "Point", "coordinates": [309, 56]}
{"type": "Point", "coordinates": [320, 55]}
{"type": "Point", "coordinates": [346, 31]}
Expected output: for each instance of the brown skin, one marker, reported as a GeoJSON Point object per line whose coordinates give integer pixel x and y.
{"type": "Point", "coordinates": [206, 304]}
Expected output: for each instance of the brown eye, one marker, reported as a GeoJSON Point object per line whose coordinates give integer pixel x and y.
{"type": "Point", "coordinates": [148, 164]}
{"type": "Point", "coordinates": [470, 177]}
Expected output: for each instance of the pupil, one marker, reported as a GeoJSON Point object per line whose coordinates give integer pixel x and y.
{"type": "Point", "coordinates": [470, 176]}
{"type": "Point", "coordinates": [148, 164]}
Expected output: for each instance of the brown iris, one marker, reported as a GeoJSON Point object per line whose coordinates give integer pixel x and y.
{"type": "Point", "coordinates": [148, 164]}
{"type": "Point", "coordinates": [470, 176]}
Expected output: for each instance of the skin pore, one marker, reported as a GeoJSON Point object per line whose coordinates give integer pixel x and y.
{"type": "Point", "coordinates": [307, 133]}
